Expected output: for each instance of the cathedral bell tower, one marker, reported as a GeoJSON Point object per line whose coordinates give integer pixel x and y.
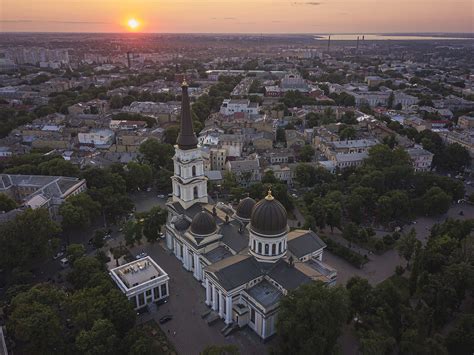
{"type": "Point", "coordinates": [189, 181]}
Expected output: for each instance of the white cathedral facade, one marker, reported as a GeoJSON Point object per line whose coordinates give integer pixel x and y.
{"type": "Point", "coordinates": [247, 258]}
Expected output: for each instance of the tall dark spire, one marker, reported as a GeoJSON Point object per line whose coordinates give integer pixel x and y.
{"type": "Point", "coordinates": [186, 139]}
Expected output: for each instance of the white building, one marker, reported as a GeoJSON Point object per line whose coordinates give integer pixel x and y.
{"type": "Point", "coordinates": [142, 281]}
{"type": "Point", "coordinates": [229, 107]}
{"type": "Point", "coordinates": [246, 259]}
{"type": "Point", "coordinates": [421, 158]}
{"type": "Point", "coordinates": [37, 191]}
{"type": "Point", "coordinates": [97, 137]}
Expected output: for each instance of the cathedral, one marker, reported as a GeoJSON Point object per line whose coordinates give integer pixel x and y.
{"type": "Point", "coordinates": [246, 258]}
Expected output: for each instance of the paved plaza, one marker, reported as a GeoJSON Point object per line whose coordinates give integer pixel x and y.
{"type": "Point", "coordinates": [188, 332]}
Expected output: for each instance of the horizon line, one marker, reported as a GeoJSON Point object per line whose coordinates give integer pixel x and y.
{"type": "Point", "coordinates": [246, 33]}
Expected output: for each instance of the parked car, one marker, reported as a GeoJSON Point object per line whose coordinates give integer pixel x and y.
{"type": "Point", "coordinates": [161, 196]}
{"type": "Point", "coordinates": [165, 319]}
{"type": "Point", "coordinates": [141, 255]}
{"type": "Point", "coordinates": [161, 301]}
{"type": "Point", "coordinates": [148, 189]}
{"type": "Point", "coordinates": [107, 237]}
{"type": "Point", "coordinates": [64, 262]}
{"type": "Point", "coordinates": [58, 255]}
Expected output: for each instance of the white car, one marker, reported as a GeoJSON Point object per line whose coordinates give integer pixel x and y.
{"type": "Point", "coordinates": [161, 196]}
{"type": "Point", "coordinates": [141, 255]}
{"type": "Point", "coordinates": [58, 255]}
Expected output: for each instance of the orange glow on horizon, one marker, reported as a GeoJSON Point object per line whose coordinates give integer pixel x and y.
{"type": "Point", "coordinates": [233, 16]}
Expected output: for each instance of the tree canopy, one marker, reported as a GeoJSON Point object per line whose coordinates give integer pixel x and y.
{"type": "Point", "coordinates": [310, 319]}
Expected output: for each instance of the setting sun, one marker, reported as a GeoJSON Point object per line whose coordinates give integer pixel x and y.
{"type": "Point", "coordinates": [133, 24]}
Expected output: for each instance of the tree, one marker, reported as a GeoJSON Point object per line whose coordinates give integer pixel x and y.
{"type": "Point", "coordinates": [350, 233]}
{"type": "Point", "coordinates": [280, 135]}
{"type": "Point", "coordinates": [407, 245]}
{"type": "Point", "coordinates": [138, 175]}
{"type": "Point", "coordinates": [461, 339]}
{"type": "Point", "coordinates": [58, 167]}
{"type": "Point", "coordinates": [34, 319]}
{"type": "Point", "coordinates": [78, 211]}
{"type": "Point", "coordinates": [307, 153]}
{"type": "Point", "coordinates": [347, 133]}
{"type": "Point", "coordinates": [27, 238]}
{"type": "Point", "coordinates": [153, 221]}
{"type": "Point", "coordinates": [359, 295]}
{"type": "Point", "coordinates": [333, 215]}
{"type": "Point", "coordinates": [355, 206]}
{"type": "Point", "coordinates": [269, 177]}
{"type": "Point", "coordinates": [100, 339]}
{"type": "Point", "coordinates": [220, 350]}
{"type": "Point", "coordinates": [116, 102]}
{"type": "Point", "coordinates": [454, 158]}
{"type": "Point", "coordinates": [83, 271]}
{"type": "Point", "coordinates": [157, 154]}
{"type": "Point", "coordinates": [74, 252]}
{"type": "Point", "coordinates": [435, 201]}
{"type": "Point", "coordinates": [310, 319]}
{"type": "Point", "coordinates": [391, 98]}
{"type": "Point", "coordinates": [230, 181]}
{"type": "Point", "coordinates": [171, 135]}
{"type": "Point", "coordinates": [6, 203]}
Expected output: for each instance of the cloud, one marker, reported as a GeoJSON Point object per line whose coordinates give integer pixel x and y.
{"type": "Point", "coordinates": [55, 21]}
{"type": "Point", "coordinates": [306, 3]}
{"type": "Point", "coordinates": [15, 21]}
{"type": "Point", "coordinates": [223, 18]}
{"type": "Point", "coordinates": [77, 22]}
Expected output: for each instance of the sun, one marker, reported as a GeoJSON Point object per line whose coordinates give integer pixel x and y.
{"type": "Point", "coordinates": [133, 24]}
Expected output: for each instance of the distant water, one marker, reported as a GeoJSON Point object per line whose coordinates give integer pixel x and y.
{"type": "Point", "coordinates": [381, 37]}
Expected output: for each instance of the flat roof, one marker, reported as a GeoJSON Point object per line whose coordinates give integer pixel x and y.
{"type": "Point", "coordinates": [138, 272]}
{"type": "Point", "coordinates": [265, 293]}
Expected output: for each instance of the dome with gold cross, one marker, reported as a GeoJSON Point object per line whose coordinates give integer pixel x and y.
{"type": "Point", "coordinates": [269, 217]}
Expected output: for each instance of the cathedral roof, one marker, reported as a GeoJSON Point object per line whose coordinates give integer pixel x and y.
{"type": "Point", "coordinates": [186, 138]}
{"type": "Point", "coordinates": [203, 224]}
{"type": "Point", "coordinates": [269, 217]}
{"type": "Point", "coordinates": [245, 207]}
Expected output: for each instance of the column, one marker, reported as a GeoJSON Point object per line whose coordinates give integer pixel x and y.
{"type": "Point", "coordinates": [185, 257]}
{"type": "Point", "coordinates": [208, 292]}
{"type": "Point", "coordinates": [214, 298]}
{"type": "Point", "coordinates": [264, 327]}
{"type": "Point", "coordinates": [199, 271]}
{"type": "Point", "coordinates": [169, 240]}
{"type": "Point", "coordinates": [196, 266]}
{"type": "Point", "coordinates": [221, 304]}
{"type": "Point", "coordinates": [228, 311]}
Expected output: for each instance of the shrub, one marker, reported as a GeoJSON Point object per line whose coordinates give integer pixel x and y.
{"type": "Point", "coordinates": [387, 240]}
{"type": "Point", "coordinates": [347, 254]}
{"type": "Point", "coordinates": [399, 270]}
{"type": "Point", "coordinates": [379, 245]}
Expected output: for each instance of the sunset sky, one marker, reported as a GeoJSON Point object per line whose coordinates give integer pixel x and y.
{"type": "Point", "coordinates": [242, 16]}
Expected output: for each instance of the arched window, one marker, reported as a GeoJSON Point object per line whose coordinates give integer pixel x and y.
{"type": "Point", "coordinates": [195, 189]}
{"type": "Point", "coordinates": [273, 249]}
{"type": "Point", "coordinates": [193, 169]}
{"type": "Point", "coordinates": [279, 248]}
{"type": "Point", "coordinates": [178, 190]}
{"type": "Point", "coordinates": [267, 249]}
{"type": "Point", "coordinates": [259, 248]}
{"type": "Point", "coordinates": [253, 245]}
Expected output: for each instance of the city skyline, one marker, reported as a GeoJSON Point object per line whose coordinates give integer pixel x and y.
{"type": "Point", "coordinates": [245, 16]}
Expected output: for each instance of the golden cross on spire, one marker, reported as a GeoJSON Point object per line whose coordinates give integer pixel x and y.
{"type": "Point", "coordinates": [269, 196]}
{"type": "Point", "coordinates": [185, 83]}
